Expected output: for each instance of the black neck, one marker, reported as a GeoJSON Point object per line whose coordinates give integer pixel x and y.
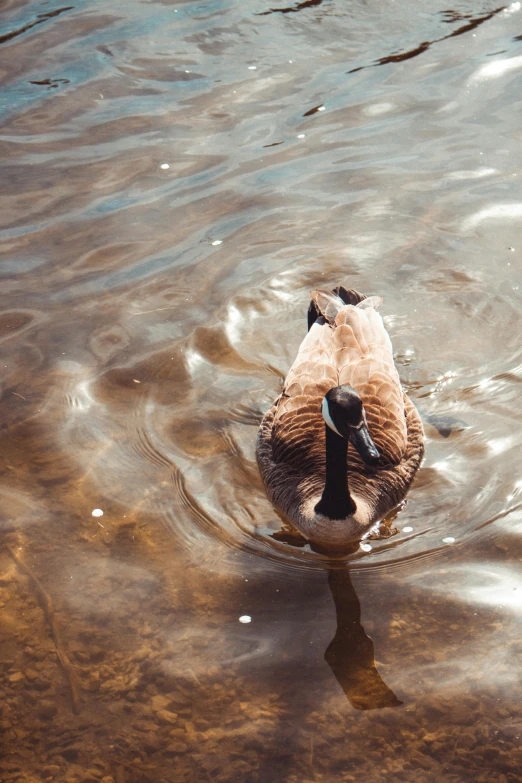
{"type": "Point", "coordinates": [335, 502]}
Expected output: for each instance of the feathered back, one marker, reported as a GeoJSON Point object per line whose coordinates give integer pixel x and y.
{"type": "Point", "coordinates": [347, 344]}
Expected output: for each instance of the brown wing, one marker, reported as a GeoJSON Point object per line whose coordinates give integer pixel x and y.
{"type": "Point", "coordinates": [314, 362]}
{"type": "Point", "coordinates": [363, 357]}
{"type": "Point", "coordinates": [297, 437]}
{"type": "Point", "coordinates": [356, 350]}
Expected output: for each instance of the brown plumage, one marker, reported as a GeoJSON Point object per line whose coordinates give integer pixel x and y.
{"type": "Point", "coordinates": [347, 346]}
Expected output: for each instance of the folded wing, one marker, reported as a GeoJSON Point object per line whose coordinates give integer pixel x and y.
{"type": "Point", "coordinates": [347, 345]}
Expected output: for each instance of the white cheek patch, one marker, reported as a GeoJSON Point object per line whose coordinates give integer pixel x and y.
{"type": "Point", "coordinates": [325, 410]}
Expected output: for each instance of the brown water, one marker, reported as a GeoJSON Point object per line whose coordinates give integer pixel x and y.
{"type": "Point", "coordinates": [148, 317]}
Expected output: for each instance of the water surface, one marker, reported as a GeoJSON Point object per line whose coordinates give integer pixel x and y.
{"type": "Point", "coordinates": [177, 177]}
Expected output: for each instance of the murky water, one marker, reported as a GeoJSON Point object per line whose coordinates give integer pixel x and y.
{"type": "Point", "coordinates": [176, 177]}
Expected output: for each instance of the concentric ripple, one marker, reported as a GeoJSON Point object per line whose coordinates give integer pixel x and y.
{"type": "Point", "coordinates": [173, 435]}
{"type": "Point", "coordinates": [177, 186]}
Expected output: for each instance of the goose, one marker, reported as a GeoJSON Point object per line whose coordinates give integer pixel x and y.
{"type": "Point", "coordinates": [340, 446]}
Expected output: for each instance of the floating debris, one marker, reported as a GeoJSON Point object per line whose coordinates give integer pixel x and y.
{"type": "Point", "coordinates": [217, 242]}
{"type": "Point", "coordinates": [407, 529]}
{"type": "Point", "coordinates": [448, 540]}
{"type": "Point", "coordinates": [51, 83]}
{"type": "Point", "coordinates": [245, 618]}
{"type": "Point", "coordinates": [164, 166]}
{"type": "Point", "coordinates": [315, 109]}
{"type": "Point", "coordinates": [252, 67]}
{"type": "Point", "coordinates": [97, 512]}
{"type": "Point", "coordinates": [366, 547]}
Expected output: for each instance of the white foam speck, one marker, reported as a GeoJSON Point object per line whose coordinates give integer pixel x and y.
{"type": "Point", "coordinates": [245, 618]}
{"type": "Point", "coordinates": [407, 529]}
{"type": "Point", "coordinates": [252, 67]}
{"type": "Point", "coordinates": [301, 136]}
{"type": "Point", "coordinates": [97, 512]}
{"type": "Point", "coordinates": [321, 108]}
{"type": "Point", "coordinates": [217, 242]}
{"type": "Point", "coordinates": [164, 166]}
{"type": "Point", "coordinates": [366, 547]}
{"type": "Point", "coordinates": [448, 540]}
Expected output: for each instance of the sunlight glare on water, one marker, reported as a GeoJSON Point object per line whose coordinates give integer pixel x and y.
{"type": "Point", "coordinates": [178, 177]}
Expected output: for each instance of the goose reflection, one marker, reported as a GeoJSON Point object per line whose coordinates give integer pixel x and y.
{"type": "Point", "coordinates": [350, 654]}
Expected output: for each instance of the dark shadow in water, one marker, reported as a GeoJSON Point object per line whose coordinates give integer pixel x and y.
{"type": "Point", "coordinates": [313, 111]}
{"type": "Point", "coordinates": [291, 9]}
{"type": "Point", "coordinates": [50, 83]}
{"type": "Point", "coordinates": [41, 18]}
{"type": "Point", "coordinates": [445, 424]}
{"type": "Point", "coordinates": [350, 654]}
{"type": "Point", "coordinates": [425, 45]}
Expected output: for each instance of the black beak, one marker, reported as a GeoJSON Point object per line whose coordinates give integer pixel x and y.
{"type": "Point", "coordinates": [364, 444]}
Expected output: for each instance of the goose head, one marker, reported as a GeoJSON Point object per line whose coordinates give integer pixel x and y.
{"type": "Point", "coordinates": [344, 414]}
